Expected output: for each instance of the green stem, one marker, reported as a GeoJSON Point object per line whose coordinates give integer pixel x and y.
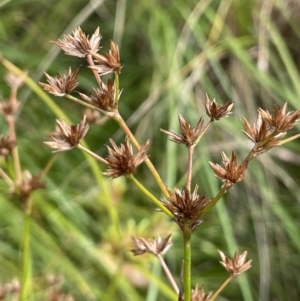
{"type": "Point", "coordinates": [81, 102]}
{"type": "Point", "coordinates": [147, 193]}
{"type": "Point", "coordinates": [215, 200]}
{"type": "Point", "coordinates": [218, 291]}
{"type": "Point", "coordinates": [26, 259]}
{"type": "Point", "coordinates": [187, 264]}
{"type": "Point", "coordinates": [95, 156]}
{"type": "Point", "coordinates": [117, 85]}
{"type": "Point", "coordinates": [118, 118]}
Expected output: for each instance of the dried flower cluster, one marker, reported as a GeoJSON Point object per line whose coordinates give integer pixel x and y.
{"type": "Point", "coordinates": [67, 137]}
{"type": "Point", "coordinates": [6, 146]}
{"type": "Point", "coordinates": [155, 246]}
{"type": "Point", "coordinates": [122, 161]}
{"type": "Point", "coordinates": [237, 265]}
{"type": "Point", "coordinates": [216, 112]}
{"type": "Point", "coordinates": [232, 172]}
{"type": "Point", "coordinates": [189, 135]}
{"type": "Point", "coordinates": [187, 207]}
{"type": "Point", "coordinates": [30, 183]}
{"type": "Point", "coordinates": [199, 294]}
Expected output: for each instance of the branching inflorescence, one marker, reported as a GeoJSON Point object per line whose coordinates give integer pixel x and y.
{"type": "Point", "coordinates": [187, 208]}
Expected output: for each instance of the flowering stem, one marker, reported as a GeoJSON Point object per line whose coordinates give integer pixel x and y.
{"type": "Point", "coordinates": [49, 165]}
{"type": "Point", "coordinates": [118, 118]}
{"type": "Point", "coordinates": [187, 264]}
{"type": "Point", "coordinates": [218, 291]}
{"type": "Point", "coordinates": [90, 61]}
{"type": "Point", "coordinates": [204, 131]}
{"type": "Point", "coordinates": [117, 84]}
{"type": "Point", "coordinates": [168, 273]}
{"type": "Point", "coordinates": [81, 102]}
{"type": "Point", "coordinates": [95, 156]}
{"type": "Point", "coordinates": [215, 200]}
{"type": "Point", "coordinates": [147, 193]}
{"type": "Point", "coordinates": [26, 260]}
{"type": "Point", "coordinates": [190, 167]}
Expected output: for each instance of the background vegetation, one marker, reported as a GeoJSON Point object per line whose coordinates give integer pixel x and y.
{"type": "Point", "coordinates": [173, 53]}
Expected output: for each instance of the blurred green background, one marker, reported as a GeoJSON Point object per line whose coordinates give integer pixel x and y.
{"type": "Point", "coordinates": [173, 53]}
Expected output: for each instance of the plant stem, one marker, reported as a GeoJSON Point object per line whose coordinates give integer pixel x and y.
{"type": "Point", "coordinates": [90, 61]}
{"type": "Point", "coordinates": [118, 118]}
{"type": "Point", "coordinates": [81, 102]}
{"type": "Point", "coordinates": [168, 273]}
{"type": "Point", "coordinates": [95, 156]}
{"type": "Point", "coordinates": [190, 167]}
{"type": "Point", "coordinates": [26, 260]}
{"type": "Point", "coordinates": [147, 193]}
{"type": "Point", "coordinates": [218, 291]}
{"type": "Point", "coordinates": [187, 264]}
{"type": "Point", "coordinates": [215, 200]}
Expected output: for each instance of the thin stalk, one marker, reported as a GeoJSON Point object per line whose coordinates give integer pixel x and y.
{"type": "Point", "coordinates": [117, 85]}
{"type": "Point", "coordinates": [218, 291]}
{"type": "Point", "coordinates": [26, 259]}
{"type": "Point", "coordinates": [95, 156]}
{"type": "Point", "coordinates": [90, 61]}
{"type": "Point", "coordinates": [204, 131]}
{"type": "Point", "coordinates": [147, 193]}
{"type": "Point", "coordinates": [81, 102]}
{"type": "Point", "coordinates": [215, 200]}
{"type": "Point", "coordinates": [187, 264]}
{"type": "Point", "coordinates": [168, 273]}
{"type": "Point", "coordinates": [118, 118]}
{"type": "Point", "coordinates": [49, 165]}
{"type": "Point", "coordinates": [190, 167]}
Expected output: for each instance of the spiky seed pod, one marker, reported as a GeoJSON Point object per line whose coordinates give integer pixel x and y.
{"type": "Point", "coordinates": [237, 265]}
{"type": "Point", "coordinates": [61, 85]}
{"type": "Point", "coordinates": [67, 137]}
{"type": "Point", "coordinates": [122, 161]}
{"type": "Point", "coordinates": [79, 44]}
{"type": "Point", "coordinates": [216, 112]}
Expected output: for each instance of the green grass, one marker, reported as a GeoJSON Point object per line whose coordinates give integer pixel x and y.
{"type": "Point", "coordinates": [173, 53]}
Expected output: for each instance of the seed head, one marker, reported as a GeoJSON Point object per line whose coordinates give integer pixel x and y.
{"type": "Point", "coordinates": [9, 108]}
{"type": "Point", "coordinates": [6, 146]}
{"type": "Point", "coordinates": [109, 62]}
{"type": "Point", "coordinates": [216, 112]}
{"type": "Point", "coordinates": [61, 85]}
{"type": "Point", "coordinates": [79, 44]}
{"type": "Point", "coordinates": [29, 183]}
{"type": "Point", "coordinates": [103, 98]}
{"type": "Point", "coordinates": [15, 81]}
{"type": "Point", "coordinates": [155, 246]}
{"type": "Point", "coordinates": [67, 137]}
{"type": "Point", "coordinates": [199, 294]}
{"type": "Point", "coordinates": [232, 172]}
{"type": "Point", "coordinates": [187, 207]}
{"type": "Point", "coordinates": [121, 160]}
{"type": "Point", "coordinates": [280, 120]}
{"type": "Point", "coordinates": [237, 265]}
{"type": "Point", "coordinates": [189, 135]}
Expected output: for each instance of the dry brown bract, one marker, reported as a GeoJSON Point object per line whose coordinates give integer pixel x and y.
{"type": "Point", "coordinates": [6, 146]}
{"type": "Point", "coordinates": [199, 294]}
{"type": "Point", "coordinates": [29, 183]}
{"type": "Point", "coordinates": [189, 135]}
{"type": "Point", "coordinates": [232, 172]}
{"type": "Point", "coordinates": [187, 207]}
{"type": "Point", "coordinates": [67, 137]}
{"type": "Point", "coordinates": [109, 62]}
{"type": "Point", "coordinates": [155, 246]}
{"type": "Point", "coordinates": [280, 120]}
{"type": "Point", "coordinates": [216, 112]}
{"type": "Point", "coordinates": [61, 85]}
{"type": "Point", "coordinates": [103, 98]}
{"type": "Point", "coordinates": [236, 265]}
{"type": "Point", "coordinates": [9, 107]}
{"type": "Point", "coordinates": [79, 44]}
{"type": "Point", "coordinates": [121, 160]}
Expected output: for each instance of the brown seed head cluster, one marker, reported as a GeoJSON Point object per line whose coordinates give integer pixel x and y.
{"type": "Point", "coordinates": [61, 85]}
{"type": "Point", "coordinates": [15, 81]}
{"type": "Point", "coordinates": [189, 135]}
{"type": "Point", "coordinates": [237, 264]}
{"type": "Point", "coordinates": [6, 146]}
{"type": "Point", "coordinates": [216, 112]}
{"type": "Point", "coordinates": [281, 120]}
{"type": "Point", "coordinates": [232, 172]}
{"type": "Point", "coordinates": [122, 161]}
{"type": "Point", "coordinates": [108, 62]}
{"type": "Point", "coordinates": [155, 246]}
{"type": "Point", "coordinates": [103, 98]}
{"type": "Point", "coordinates": [29, 183]}
{"type": "Point", "coordinates": [199, 294]}
{"type": "Point", "coordinates": [187, 207]}
{"type": "Point", "coordinates": [67, 137]}
{"type": "Point", "coordinates": [79, 44]}
{"type": "Point", "coordinates": [9, 108]}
